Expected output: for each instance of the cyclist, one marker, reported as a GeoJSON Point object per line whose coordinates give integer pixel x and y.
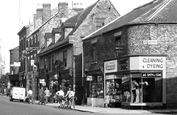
{"type": "Point", "coordinates": [60, 96]}
{"type": "Point", "coordinates": [70, 97]}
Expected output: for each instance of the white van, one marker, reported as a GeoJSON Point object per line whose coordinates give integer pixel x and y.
{"type": "Point", "coordinates": [17, 93]}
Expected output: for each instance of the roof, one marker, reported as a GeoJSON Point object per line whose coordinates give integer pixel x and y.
{"type": "Point", "coordinates": [79, 18]}
{"type": "Point", "coordinates": [23, 28]}
{"type": "Point", "coordinates": [157, 11]}
{"type": "Point", "coordinates": [54, 47]}
{"type": "Point", "coordinates": [75, 21]}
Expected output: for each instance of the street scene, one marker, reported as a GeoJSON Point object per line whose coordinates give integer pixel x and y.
{"type": "Point", "coordinates": [89, 57]}
{"type": "Point", "coordinates": [21, 108]}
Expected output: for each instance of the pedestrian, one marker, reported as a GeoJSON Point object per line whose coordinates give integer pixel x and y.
{"type": "Point", "coordinates": [60, 96]}
{"type": "Point", "coordinates": [47, 94]}
{"type": "Point", "coordinates": [42, 96]}
{"type": "Point", "coordinates": [30, 95]}
{"type": "Point", "coordinates": [107, 100]}
{"type": "Point", "coordinates": [70, 96]}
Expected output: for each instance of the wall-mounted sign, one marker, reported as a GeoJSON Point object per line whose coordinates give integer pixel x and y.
{"type": "Point", "coordinates": [151, 74]}
{"type": "Point", "coordinates": [147, 63]}
{"type": "Point", "coordinates": [110, 66]}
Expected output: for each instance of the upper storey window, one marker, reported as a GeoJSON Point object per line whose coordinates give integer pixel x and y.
{"type": "Point", "coordinates": [99, 22]}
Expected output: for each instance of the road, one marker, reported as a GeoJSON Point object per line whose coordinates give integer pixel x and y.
{"type": "Point", "coordinates": [20, 108]}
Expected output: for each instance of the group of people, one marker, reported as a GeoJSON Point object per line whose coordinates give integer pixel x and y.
{"type": "Point", "coordinates": [44, 96]}
{"type": "Point", "coordinates": [61, 97]}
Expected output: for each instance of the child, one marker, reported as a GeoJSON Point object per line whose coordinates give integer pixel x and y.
{"type": "Point", "coordinates": [107, 100]}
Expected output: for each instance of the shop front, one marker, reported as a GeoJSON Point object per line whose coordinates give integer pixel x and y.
{"type": "Point", "coordinates": [136, 80]}
{"type": "Point", "coordinates": [94, 88]}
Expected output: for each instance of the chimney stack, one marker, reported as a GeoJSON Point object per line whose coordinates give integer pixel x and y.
{"type": "Point", "coordinates": [62, 9]}
{"type": "Point", "coordinates": [46, 12]}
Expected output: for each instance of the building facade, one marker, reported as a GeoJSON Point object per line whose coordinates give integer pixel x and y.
{"type": "Point", "coordinates": [64, 51]}
{"type": "Point", "coordinates": [135, 51]}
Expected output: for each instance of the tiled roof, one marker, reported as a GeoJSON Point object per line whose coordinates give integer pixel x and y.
{"type": "Point", "coordinates": [157, 11]}
{"type": "Point", "coordinates": [76, 21]}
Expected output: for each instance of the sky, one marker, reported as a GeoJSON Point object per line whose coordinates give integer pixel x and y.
{"type": "Point", "coordinates": [17, 13]}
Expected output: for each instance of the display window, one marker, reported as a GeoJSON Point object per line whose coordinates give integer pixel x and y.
{"type": "Point", "coordinates": [142, 89]}
{"type": "Point", "coordinates": [113, 89]}
{"type": "Point", "coordinates": [96, 87]}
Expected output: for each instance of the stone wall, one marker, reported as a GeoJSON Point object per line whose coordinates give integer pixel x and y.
{"type": "Point", "coordinates": [166, 36]}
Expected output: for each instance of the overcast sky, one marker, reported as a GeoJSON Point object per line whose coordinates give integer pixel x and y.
{"type": "Point", "coordinates": [17, 13]}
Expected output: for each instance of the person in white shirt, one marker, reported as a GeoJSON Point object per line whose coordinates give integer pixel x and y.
{"type": "Point", "coordinates": [60, 96]}
{"type": "Point", "coordinates": [30, 94]}
{"type": "Point", "coordinates": [70, 96]}
{"type": "Point", "coordinates": [47, 94]}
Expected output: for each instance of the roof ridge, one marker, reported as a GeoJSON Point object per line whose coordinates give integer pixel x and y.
{"type": "Point", "coordinates": [159, 9]}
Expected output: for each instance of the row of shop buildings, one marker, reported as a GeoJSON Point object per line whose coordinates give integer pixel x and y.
{"type": "Point", "coordinates": [99, 53]}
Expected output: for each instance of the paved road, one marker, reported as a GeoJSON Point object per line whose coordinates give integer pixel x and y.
{"type": "Point", "coordinates": [19, 108]}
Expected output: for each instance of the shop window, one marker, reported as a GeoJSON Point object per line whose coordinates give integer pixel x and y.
{"type": "Point", "coordinates": [126, 89]}
{"type": "Point", "coordinates": [96, 87]}
{"type": "Point", "coordinates": [142, 89]}
{"type": "Point", "coordinates": [113, 89]}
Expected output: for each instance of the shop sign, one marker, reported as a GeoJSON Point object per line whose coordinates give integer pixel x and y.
{"type": "Point", "coordinates": [147, 63]}
{"type": "Point", "coordinates": [151, 74]}
{"type": "Point", "coordinates": [89, 78]}
{"type": "Point", "coordinates": [110, 66]}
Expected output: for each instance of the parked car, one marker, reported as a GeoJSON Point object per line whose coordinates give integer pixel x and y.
{"type": "Point", "coordinates": [17, 93]}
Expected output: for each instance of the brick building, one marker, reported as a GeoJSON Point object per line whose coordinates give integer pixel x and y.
{"type": "Point", "coordinates": [139, 46]}
{"type": "Point", "coordinates": [63, 56]}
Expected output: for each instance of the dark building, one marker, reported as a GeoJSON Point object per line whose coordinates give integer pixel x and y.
{"type": "Point", "coordinates": [14, 67]}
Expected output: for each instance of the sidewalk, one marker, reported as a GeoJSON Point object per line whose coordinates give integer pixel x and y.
{"type": "Point", "coordinates": [116, 110]}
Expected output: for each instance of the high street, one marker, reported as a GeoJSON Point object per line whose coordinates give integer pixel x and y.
{"type": "Point", "coordinates": [20, 108]}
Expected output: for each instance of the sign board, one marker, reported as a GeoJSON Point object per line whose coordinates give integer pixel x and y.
{"type": "Point", "coordinates": [89, 78]}
{"type": "Point", "coordinates": [110, 66]}
{"type": "Point", "coordinates": [151, 74]}
{"type": "Point", "coordinates": [147, 63]}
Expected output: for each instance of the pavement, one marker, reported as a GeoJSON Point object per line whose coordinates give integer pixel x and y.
{"type": "Point", "coordinates": [85, 108]}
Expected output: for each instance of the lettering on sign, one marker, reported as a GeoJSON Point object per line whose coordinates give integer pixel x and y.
{"type": "Point", "coordinates": [110, 66]}
{"type": "Point", "coordinates": [152, 63]}
{"type": "Point", "coordinates": [151, 74]}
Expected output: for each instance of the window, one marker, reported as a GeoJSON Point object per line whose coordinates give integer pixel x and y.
{"type": "Point", "coordinates": [94, 52]}
{"type": "Point", "coordinates": [50, 65]}
{"type": "Point", "coordinates": [96, 87]}
{"type": "Point", "coordinates": [118, 44]}
{"type": "Point", "coordinates": [99, 22]}
{"type": "Point", "coordinates": [118, 40]}
{"type": "Point", "coordinates": [65, 58]}
{"type": "Point", "coordinates": [34, 38]}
